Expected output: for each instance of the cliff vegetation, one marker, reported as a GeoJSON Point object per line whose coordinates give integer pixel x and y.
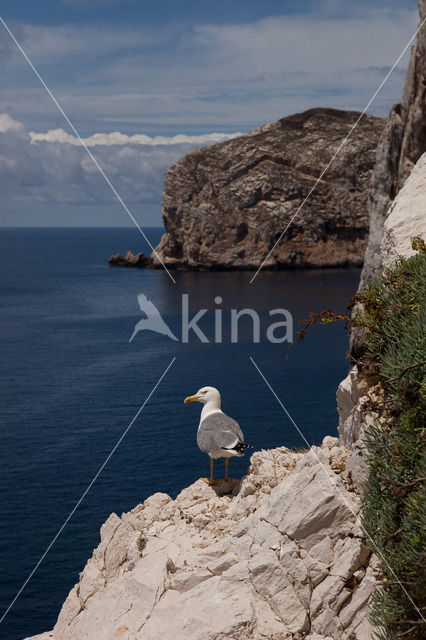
{"type": "Point", "coordinates": [394, 496]}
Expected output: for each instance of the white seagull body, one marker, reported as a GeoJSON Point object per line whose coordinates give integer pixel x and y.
{"type": "Point", "coordinates": [218, 435]}
{"type": "Point", "coordinates": [153, 321]}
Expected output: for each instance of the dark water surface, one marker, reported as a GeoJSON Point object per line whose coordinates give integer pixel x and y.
{"type": "Point", "coordinates": [71, 383]}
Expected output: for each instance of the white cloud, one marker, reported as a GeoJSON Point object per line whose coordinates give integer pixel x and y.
{"type": "Point", "coordinates": [117, 138]}
{"type": "Point", "coordinates": [55, 170]}
{"type": "Point", "coordinates": [9, 124]}
{"type": "Point", "coordinates": [211, 77]}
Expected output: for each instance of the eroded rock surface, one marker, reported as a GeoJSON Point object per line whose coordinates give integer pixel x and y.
{"type": "Point", "coordinates": [357, 395]}
{"type": "Point", "coordinates": [280, 555]}
{"type": "Point", "coordinates": [225, 205]}
{"type": "Point", "coordinates": [402, 143]}
{"type": "Point", "coordinates": [406, 217]}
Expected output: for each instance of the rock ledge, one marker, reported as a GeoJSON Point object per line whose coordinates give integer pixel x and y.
{"type": "Point", "coordinates": [278, 555]}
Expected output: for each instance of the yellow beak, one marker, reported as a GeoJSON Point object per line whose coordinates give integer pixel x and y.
{"type": "Point", "coordinates": [190, 399]}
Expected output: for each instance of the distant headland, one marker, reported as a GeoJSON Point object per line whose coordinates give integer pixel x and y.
{"type": "Point", "coordinates": [224, 206]}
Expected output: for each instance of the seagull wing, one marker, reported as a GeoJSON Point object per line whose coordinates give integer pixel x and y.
{"type": "Point", "coordinates": [218, 431]}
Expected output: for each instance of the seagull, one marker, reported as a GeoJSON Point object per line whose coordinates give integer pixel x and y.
{"type": "Point", "coordinates": [153, 320]}
{"type": "Point", "coordinates": [218, 435]}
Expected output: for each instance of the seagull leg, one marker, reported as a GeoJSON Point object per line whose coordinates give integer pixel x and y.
{"type": "Point", "coordinates": [210, 480]}
{"type": "Point", "coordinates": [226, 468]}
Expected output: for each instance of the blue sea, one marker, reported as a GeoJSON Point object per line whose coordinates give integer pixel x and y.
{"type": "Point", "coordinates": [71, 383]}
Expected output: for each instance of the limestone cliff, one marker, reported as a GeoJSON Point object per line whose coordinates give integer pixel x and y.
{"type": "Point", "coordinates": [278, 555]}
{"type": "Point", "coordinates": [225, 205]}
{"type": "Point", "coordinates": [356, 395]}
{"type": "Point", "coordinates": [402, 142]}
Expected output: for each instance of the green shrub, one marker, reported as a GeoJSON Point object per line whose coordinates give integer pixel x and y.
{"type": "Point", "coordinates": [392, 319]}
{"type": "Point", "coordinates": [394, 514]}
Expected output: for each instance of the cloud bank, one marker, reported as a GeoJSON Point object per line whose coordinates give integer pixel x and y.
{"type": "Point", "coordinates": [117, 138]}
{"type": "Point", "coordinates": [53, 170]}
{"type": "Point", "coordinates": [178, 82]}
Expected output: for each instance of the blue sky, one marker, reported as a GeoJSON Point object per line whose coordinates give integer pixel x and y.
{"type": "Point", "coordinates": [160, 70]}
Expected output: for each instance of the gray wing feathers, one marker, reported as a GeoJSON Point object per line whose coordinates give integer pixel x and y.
{"type": "Point", "coordinates": [218, 431]}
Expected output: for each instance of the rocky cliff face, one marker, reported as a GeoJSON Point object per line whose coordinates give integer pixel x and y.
{"type": "Point", "coordinates": [402, 142]}
{"type": "Point", "coordinates": [356, 395]}
{"type": "Point", "coordinates": [224, 206]}
{"type": "Point", "coordinates": [280, 555]}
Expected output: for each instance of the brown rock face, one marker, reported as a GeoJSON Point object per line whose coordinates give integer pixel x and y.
{"type": "Point", "coordinates": [226, 205]}
{"type": "Point", "coordinates": [402, 143]}
{"type": "Point", "coordinates": [129, 260]}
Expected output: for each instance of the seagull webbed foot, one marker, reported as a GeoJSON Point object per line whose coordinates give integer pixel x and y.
{"type": "Point", "coordinates": [208, 481]}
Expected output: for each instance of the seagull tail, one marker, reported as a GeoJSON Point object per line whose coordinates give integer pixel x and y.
{"type": "Point", "coordinates": [241, 447]}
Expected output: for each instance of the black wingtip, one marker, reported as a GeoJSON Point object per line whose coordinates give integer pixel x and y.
{"type": "Point", "coordinates": [241, 447]}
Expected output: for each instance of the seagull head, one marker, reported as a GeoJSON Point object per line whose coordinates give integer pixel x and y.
{"type": "Point", "coordinates": [205, 395]}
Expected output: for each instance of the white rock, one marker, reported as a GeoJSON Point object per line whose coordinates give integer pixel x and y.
{"type": "Point", "coordinates": [310, 503]}
{"type": "Point", "coordinates": [267, 536]}
{"type": "Point", "coordinates": [184, 581]}
{"type": "Point", "coordinates": [323, 551]}
{"type": "Point", "coordinates": [222, 564]}
{"type": "Point", "coordinates": [328, 623]}
{"type": "Point", "coordinates": [330, 442]}
{"type": "Point", "coordinates": [347, 396]}
{"type": "Point", "coordinates": [406, 217]}
{"type": "Point", "coordinates": [349, 555]}
{"type": "Point", "coordinates": [326, 595]}
{"type": "Point", "coordinates": [296, 571]}
{"type": "Point", "coordinates": [91, 580]}
{"type": "Point", "coordinates": [357, 602]}
{"type": "Point", "coordinates": [271, 582]}
{"type": "Point", "coordinates": [317, 570]}
{"type": "Point", "coordinates": [238, 576]}
{"type": "Point", "coordinates": [237, 573]}
{"type": "Point", "coordinates": [219, 609]}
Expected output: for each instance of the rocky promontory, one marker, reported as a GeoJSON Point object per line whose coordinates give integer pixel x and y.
{"type": "Point", "coordinates": [138, 260]}
{"type": "Point", "coordinates": [278, 555]}
{"type": "Point", "coordinates": [224, 206]}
